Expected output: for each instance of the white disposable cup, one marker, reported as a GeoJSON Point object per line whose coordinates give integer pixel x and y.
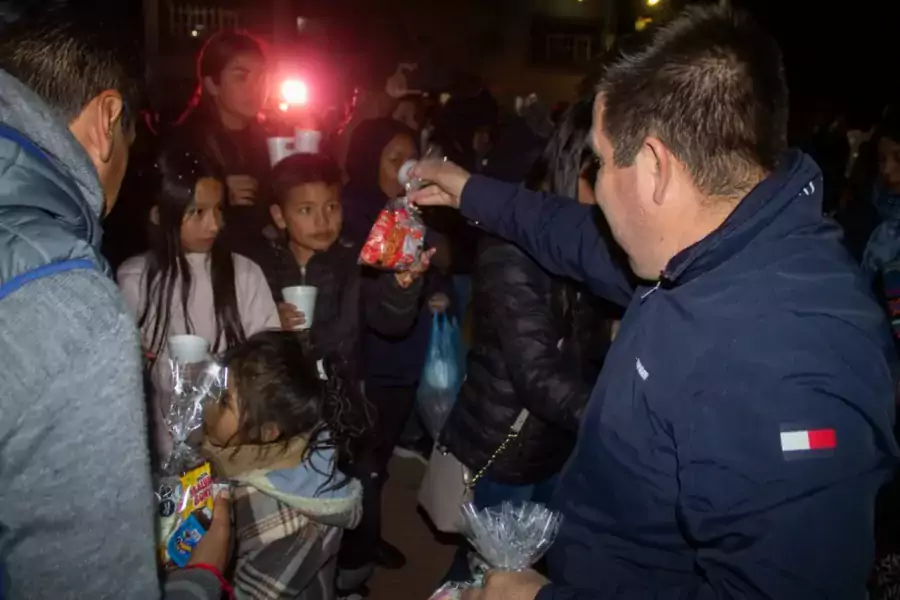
{"type": "Point", "coordinates": [307, 141]}
{"type": "Point", "coordinates": [303, 297]}
{"type": "Point", "coordinates": [280, 148]}
{"type": "Point", "coordinates": [188, 348]}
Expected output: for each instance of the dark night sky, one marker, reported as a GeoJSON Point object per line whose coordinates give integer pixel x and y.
{"type": "Point", "coordinates": [836, 50]}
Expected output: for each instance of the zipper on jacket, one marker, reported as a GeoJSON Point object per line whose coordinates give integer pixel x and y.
{"type": "Point", "coordinates": [651, 290]}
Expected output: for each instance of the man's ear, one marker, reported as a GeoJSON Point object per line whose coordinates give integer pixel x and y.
{"type": "Point", "coordinates": [658, 160]}
{"type": "Point", "coordinates": [278, 216]}
{"type": "Point", "coordinates": [269, 433]}
{"type": "Point", "coordinates": [154, 215]}
{"type": "Point", "coordinates": [96, 126]}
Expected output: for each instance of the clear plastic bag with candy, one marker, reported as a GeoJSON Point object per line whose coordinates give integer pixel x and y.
{"type": "Point", "coordinates": [185, 489]}
{"type": "Point", "coordinates": [194, 385]}
{"type": "Point", "coordinates": [397, 240]}
{"type": "Point", "coordinates": [509, 537]}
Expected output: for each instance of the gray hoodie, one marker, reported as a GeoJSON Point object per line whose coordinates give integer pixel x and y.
{"type": "Point", "coordinates": [76, 504]}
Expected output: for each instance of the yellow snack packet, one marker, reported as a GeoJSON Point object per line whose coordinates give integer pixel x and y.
{"type": "Point", "coordinates": [185, 511]}
{"type": "Point", "coordinates": [196, 491]}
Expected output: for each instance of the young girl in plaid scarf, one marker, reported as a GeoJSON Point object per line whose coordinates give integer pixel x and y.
{"type": "Point", "coordinates": [286, 424]}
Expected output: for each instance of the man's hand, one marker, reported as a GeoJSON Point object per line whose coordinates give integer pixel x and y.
{"type": "Point", "coordinates": [506, 585]}
{"type": "Point", "coordinates": [291, 318]}
{"type": "Point", "coordinates": [448, 181]}
{"type": "Point", "coordinates": [212, 549]}
{"type": "Point", "coordinates": [407, 278]}
{"type": "Point", "coordinates": [242, 190]}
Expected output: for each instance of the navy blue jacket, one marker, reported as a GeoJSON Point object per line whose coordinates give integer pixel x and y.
{"type": "Point", "coordinates": [679, 486]}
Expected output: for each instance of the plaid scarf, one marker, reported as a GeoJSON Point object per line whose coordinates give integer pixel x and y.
{"type": "Point", "coordinates": [286, 545]}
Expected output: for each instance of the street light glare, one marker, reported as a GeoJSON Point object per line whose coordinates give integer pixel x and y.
{"type": "Point", "coordinates": [294, 92]}
{"type": "Point", "coordinates": [652, 2]}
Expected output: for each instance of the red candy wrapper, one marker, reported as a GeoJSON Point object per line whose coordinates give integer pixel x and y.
{"type": "Point", "coordinates": [397, 239]}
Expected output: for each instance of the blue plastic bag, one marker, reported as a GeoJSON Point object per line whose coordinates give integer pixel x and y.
{"type": "Point", "coordinates": [443, 374]}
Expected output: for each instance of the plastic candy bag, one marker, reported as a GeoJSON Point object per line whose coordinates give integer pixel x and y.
{"type": "Point", "coordinates": [509, 537]}
{"type": "Point", "coordinates": [397, 239]}
{"type": "Point", "coordinates": [194, 385]}
{"type": "Point", "coordinates": [442, 376]}
{"type": "Point", "coordinates": [185, 491]}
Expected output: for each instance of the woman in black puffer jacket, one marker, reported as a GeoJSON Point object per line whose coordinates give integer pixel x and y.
{"type": "Point", "coordinates": [539, 342]}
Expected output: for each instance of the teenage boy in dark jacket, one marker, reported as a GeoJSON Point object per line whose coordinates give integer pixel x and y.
{"type": "Point", "coordinates": [306, 208]}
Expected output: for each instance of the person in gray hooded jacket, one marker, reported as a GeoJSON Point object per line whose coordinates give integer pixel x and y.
{"type": "Point", "coordinates": [76, 503]}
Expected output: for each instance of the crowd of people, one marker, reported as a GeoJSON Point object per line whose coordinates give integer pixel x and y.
{"type": "Point", "coordinates": [669, 340]}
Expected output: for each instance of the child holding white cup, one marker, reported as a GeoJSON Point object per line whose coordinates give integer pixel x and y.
{"type": "Point", "coordinates": [315, 275]}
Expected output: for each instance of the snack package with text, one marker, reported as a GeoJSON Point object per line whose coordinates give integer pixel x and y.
{"type": "Point", "coordinates": [185, 505]}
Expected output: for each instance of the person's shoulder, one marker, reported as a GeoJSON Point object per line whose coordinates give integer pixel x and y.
{"type": "Point", "coordinates": [133, 267]}
{"type": "Point", "coordinates": [345, 251]}
{"type": "Point", "coordinates": [496, 254]}
{"type": "Point", "coordinates": [247, 270]}
{"type": "Point", "coordinates": [66, 317]}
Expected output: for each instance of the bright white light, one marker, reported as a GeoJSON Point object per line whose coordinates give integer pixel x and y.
{"type": "Point", "coordinates": [283, 107]}
{"type": "Point", "coordinates": [294, 91]}
{"type": "Point", "coordinates": [652, 2]}
{"type": "Point", "coordinates": [194, 33]}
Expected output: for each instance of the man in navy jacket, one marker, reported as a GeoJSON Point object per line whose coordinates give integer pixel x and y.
{"type": "Point", "coordinates": [735, 441]}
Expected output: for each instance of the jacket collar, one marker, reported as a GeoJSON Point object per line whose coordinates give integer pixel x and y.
{"type": "Point", "coordinates": [788, 199]}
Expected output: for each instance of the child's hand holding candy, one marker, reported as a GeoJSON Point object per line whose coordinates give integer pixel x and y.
{"type": "Point", "coordinates": [212, 549]}
{"type": "Point", "coordinates": [407, 278]}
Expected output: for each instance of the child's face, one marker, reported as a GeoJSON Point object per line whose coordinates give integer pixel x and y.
{"type": "Point", "coordinates": [399, 150]}
{"type": "Point", "coordinates": [203, 218]}
{"type": "Point", "coordinates": [312, 215]}
{"type": "Point", "coordinates": [220, 420]}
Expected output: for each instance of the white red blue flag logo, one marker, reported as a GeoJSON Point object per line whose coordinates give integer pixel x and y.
{"type": "Point", "coordinates": [803, 443]}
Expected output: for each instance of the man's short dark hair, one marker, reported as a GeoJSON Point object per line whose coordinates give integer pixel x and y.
{"type": "Point", "coordinates": [711, 87]}
{"type": "Point", "coordinates": [69, 54]}
{"type": "Point", "coordinates": [302, 169]}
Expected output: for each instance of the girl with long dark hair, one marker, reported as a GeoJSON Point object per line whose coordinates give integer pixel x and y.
{"type": "Point", "coordinates": [189, 282]}
{"type": "Point", "coordinates": [222, 124]}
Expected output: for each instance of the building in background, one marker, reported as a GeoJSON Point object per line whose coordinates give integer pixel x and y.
{"type": "Point", "coordinates": [516, 47]}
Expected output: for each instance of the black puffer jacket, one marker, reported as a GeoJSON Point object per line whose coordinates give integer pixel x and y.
{"type": "Point", "coordinates": [524, 356]}
{"type": "Point", "coordinates": [350, 297]}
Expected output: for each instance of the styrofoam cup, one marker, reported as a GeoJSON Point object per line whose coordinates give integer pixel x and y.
{"type": "Point", "coordinates": [280, 148]}
{"type": "Point", "coordinates": [307, 141]}
{"type": "Point", "coordinates": [303, 297]}
{"type": "Point", "coordinates": [188, 348]}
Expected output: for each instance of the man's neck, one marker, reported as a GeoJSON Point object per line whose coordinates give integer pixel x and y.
{"type": "Point", "coordinates": [710, 214]}
{"type": "Point", "coordinates": [301, 254]}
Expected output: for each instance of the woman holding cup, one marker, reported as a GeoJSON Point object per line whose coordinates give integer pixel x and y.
{"type": "Point", "coordinates": [190, 295]}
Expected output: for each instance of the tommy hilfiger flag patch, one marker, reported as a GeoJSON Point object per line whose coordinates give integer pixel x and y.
{"type": "Point", "coordinates": [808, 442]}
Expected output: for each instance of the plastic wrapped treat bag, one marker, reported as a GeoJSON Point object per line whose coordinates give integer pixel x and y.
{"type": "Point", "coordinates": [509, 537]}
{"type": "Point", "coordinates": [185, 490]}
{"type": "Point", "coordinates": [397, 239]}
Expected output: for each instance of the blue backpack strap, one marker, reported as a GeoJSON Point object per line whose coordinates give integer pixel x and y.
{"type": "Point", "coordinates": [47, 270]}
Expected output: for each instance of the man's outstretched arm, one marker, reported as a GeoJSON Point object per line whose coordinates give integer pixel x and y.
{"type": "Point", "coordinates": [558, 233]}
